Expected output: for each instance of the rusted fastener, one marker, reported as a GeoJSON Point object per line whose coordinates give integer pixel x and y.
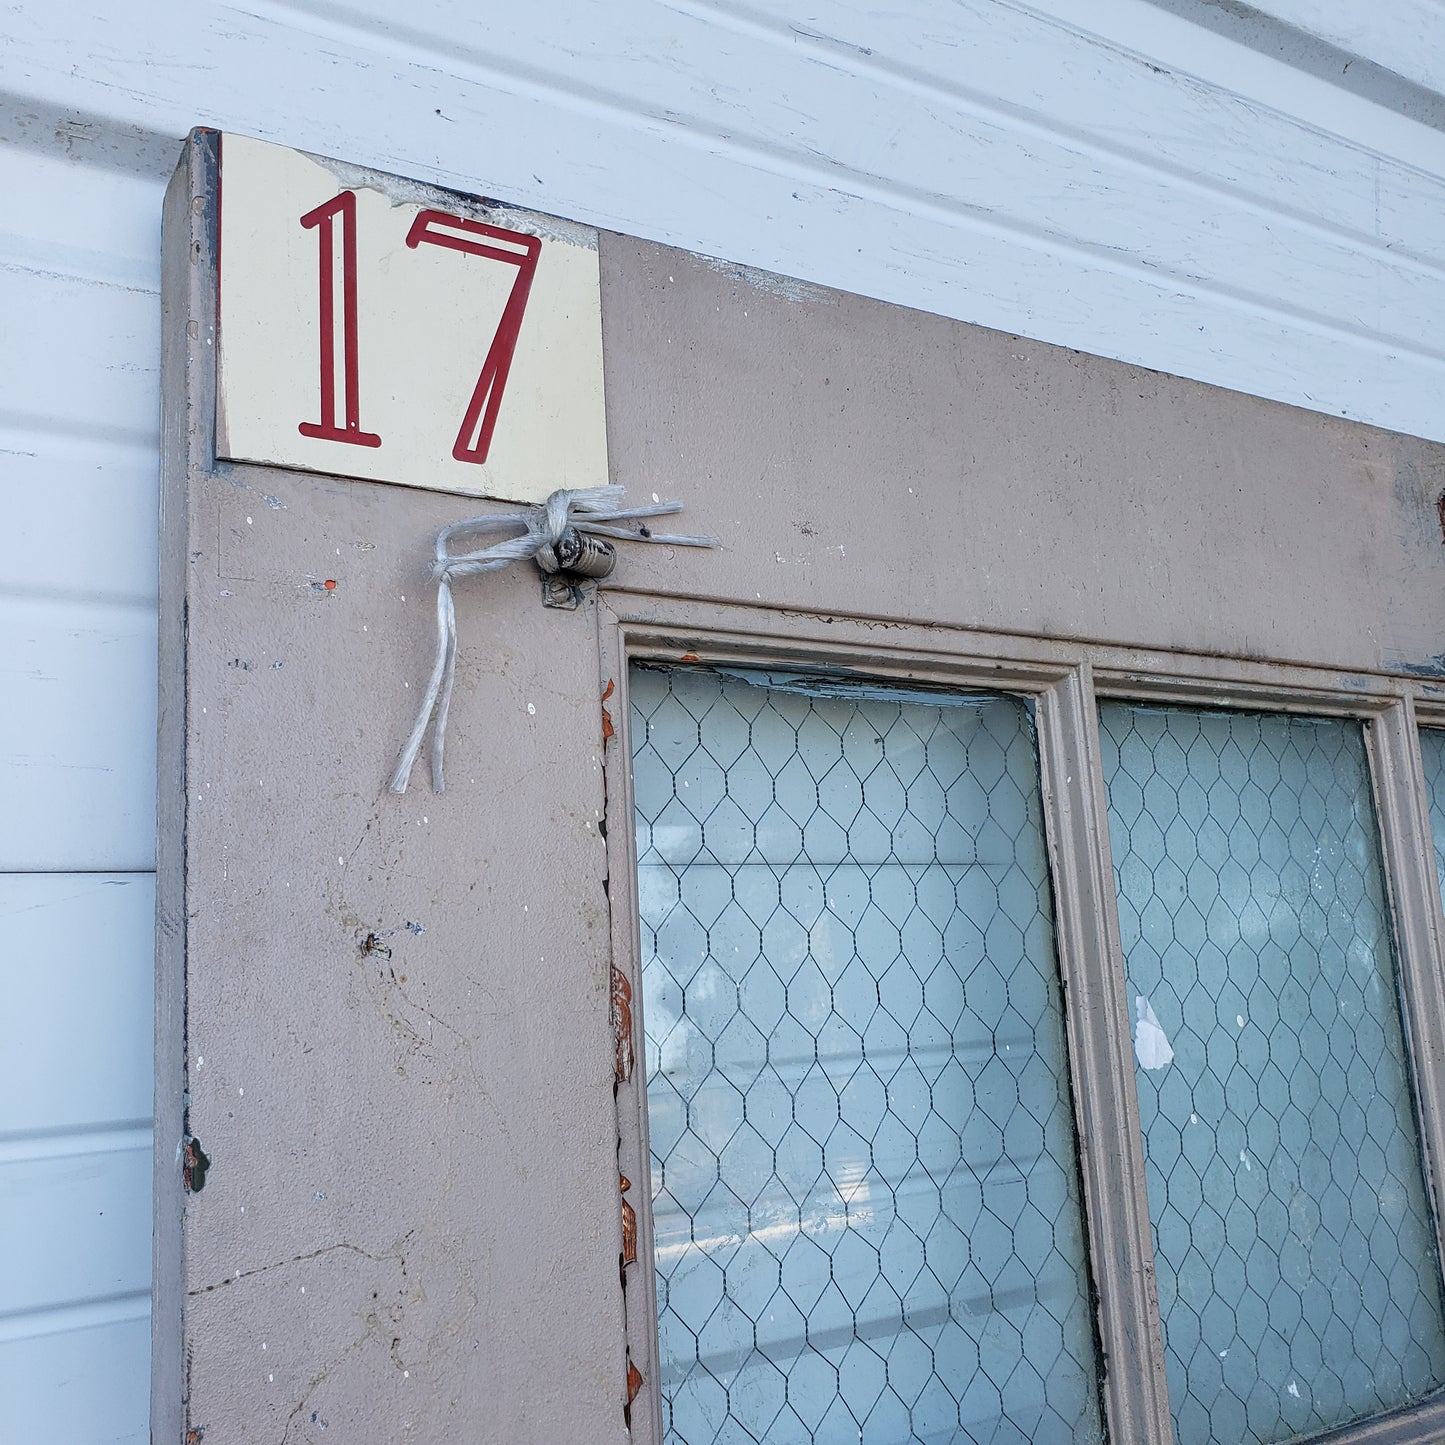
{"type": "Point", "coordinates": [194, 1163]}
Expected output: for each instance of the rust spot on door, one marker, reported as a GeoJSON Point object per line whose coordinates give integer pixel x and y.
{"type": "Point", "coordinates": [622, 1023]}
{"type": "Point", "coordinates": [194, 1163]}
{"type": "Point", "coordinates": [629, 1224]}
{"type": "Point", "coordinates": [634, 1382]}
{"type": "Point", "coordinates": [608, 730]}
{"type": "Point", "coordinates": [688, 657]}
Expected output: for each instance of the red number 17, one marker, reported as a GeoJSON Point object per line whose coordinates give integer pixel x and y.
{"type": "Point", "coordinates": [338, 323]}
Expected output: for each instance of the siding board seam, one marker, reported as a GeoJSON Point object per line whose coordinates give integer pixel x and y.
{"type": "Point", "coordinates": [793, 165]}
{"type": "Point", "coordinates": [124, 1137]}
{"type": "Point", "coordinates": [1025, 120]}
{"type": "Point", "coordinates": [27, 1324]}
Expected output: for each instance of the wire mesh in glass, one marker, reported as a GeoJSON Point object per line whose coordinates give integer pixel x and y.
{"type": "Point", "coordinates": [865, 1190]}
{"type": "Point", "coordinates": [1432, 749]}
{"type": "Point", "coordinates": [1296, 1265]}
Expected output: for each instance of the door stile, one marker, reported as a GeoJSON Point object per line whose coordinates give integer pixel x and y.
{"type": "Point", "coordinates": [1111, 1153]}
{"type": "Point", "coordinates": [630, 1088]}
{"type": "Point", "coordinates": [1402, 808]}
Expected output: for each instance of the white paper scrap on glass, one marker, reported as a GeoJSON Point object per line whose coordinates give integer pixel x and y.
{"type": "Point", "coordinates": [1151, 1045]}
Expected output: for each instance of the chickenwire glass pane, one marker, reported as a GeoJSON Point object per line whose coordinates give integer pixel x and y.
{"type": "Point", "coordinates": [1295, 1252]}
{"type": "Point", "coordinates": [865, 1191]}
{"type": "Point", "coordinates": [1432, 748]}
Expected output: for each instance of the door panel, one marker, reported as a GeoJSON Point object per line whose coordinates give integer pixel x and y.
{"type": "Point", "coordinates": [397, 1027]}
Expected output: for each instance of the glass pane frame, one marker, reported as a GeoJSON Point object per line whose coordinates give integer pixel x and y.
{"type": "Point", "coordinates": [1063, 681]}
{"type": "Point", "coordinates": [1257, 923]}
{"type": "Point", "coordinates": [848, 866]}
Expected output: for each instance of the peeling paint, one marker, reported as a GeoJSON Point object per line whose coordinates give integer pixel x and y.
{"type": "Point", "coordinates": [608, 731]}
{"type": "Point", "coordinates": [1428, 667]}
{"type": "Point", "coordinates": [787, 288]}
{"type": "Point", "coordinates": [629, 1224]}
{"type": "Point", "coordinates": [402, 192]}
{"type": "Point", "coordinates": [194, 1164]}
{"type": "Point", "coordinates": [622, 1023]}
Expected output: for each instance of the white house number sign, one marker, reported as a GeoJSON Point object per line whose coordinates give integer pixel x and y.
{"type": "Point", "coordinates": [370, 333]}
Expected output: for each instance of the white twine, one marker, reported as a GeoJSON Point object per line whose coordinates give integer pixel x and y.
{"type": "Point", "coordinates": [589, 510]}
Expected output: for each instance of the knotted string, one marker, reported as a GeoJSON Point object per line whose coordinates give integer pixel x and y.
{"type": "Point", "coordinates": [590, 510]}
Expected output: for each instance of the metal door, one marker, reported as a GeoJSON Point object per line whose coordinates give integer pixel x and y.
{"type": "Point", "coordinates": [404, 1187]}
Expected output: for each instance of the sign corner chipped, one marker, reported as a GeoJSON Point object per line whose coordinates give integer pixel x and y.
{"type": "Point", "coordinates": [384, 330]}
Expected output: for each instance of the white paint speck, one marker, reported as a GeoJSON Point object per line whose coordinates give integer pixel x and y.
{"type": "Point", "coordinates": [1294, 1389]}
{"type": "Point", "coordinates": [531, 709]}
{"type": "Point", "coordinates": [1223, 1353]}
{"type": "Point", "coordinates": [303, 1289]}
{"type": "Point", "coordinates": [655, 497]}
{"type": "Point", "coordinates": [425, 819]}
{"type": "Point", "coordinates": [1244, 1159]}
{"type": "Point", "coordinates": [1194, 1118]}
{"type": "Point", "coordinates": [200, 1061]}
{"type": "Point", "coordinates": [341, 862]}
{"type": "Point", "coordinates": [241, 1093]}
{"type": "Point", "coordinates": [270, 1379]}
{"type": "Point", "coordinates": [248, 521]}
{"type": "Point", "coordinates": [263, 1344]}
{"type": "Point", "coordinates": [406, 1374]}
{"type": "Point", "coordinates": [1239, 1019]}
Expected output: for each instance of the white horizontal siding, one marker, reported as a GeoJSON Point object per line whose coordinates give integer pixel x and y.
{"type": "Point", "coordinates": [1110, 177]}
{"type": "Point", "coordinates": [77, 735]}
{"type": "Point", "coordinates": [98, 1202]}
{"type": "Point", "coordinates": [1131, 185]}
{"type": "Point", "coordinates": [75, 1029]}
{"type": "Point", "coordinates": [79, 344]}
{"type": "Point", "coordinates": [81, 516]}
{"type": "Point", "coordinates": [85, 1386]}
{"type": "Point", "coordinates": [1403, 36]}
{"type": "Point", "coordinates": [75, 1156]}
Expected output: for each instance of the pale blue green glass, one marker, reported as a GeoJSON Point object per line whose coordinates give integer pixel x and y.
{"type": "Point", "coordinates": [1295, 1254]}
{"type": "Point", "coordinates": [1432, 748]}
{"type": "Point", "coordinates": [865, 1188]}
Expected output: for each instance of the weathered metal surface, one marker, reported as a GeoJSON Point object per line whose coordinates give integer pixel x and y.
{"type": "Point", "coordinates": [859, 458]}
{"type": "Point", "coordinates": [403, 1025]}
{"type": "Point", "coordinates": [397, 1047]}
